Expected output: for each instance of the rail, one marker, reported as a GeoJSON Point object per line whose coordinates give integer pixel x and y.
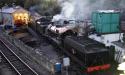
{"type": "Point", "coordinates": [31, 52]}
{"type": "Point", "coordinates": [19, 65]}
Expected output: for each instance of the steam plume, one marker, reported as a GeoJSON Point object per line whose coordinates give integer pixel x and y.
{"type": "Point", "coordinates": [82, 9]}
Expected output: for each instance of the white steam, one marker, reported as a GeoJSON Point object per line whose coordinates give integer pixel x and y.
{"type": "Point", "coordinates": [82, 9]}
{"type": "Point", "coordinates": [66, 12]}
{"type": "Point", "coordinates": [122, 4]}
{"type": "Point", "coordinates": [67, 9]}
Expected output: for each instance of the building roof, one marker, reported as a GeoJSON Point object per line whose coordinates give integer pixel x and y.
{"type": "Point", "coordinates": [35, 15]}
{"type": "Point", "coordinates": [9, 10]}
{"type": "Point", "coordinates": [13, 9]}
{"type": "Point", "coordinates": [119, 44]}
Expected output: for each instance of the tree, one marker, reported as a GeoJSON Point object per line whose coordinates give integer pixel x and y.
{"type": "Point", "coordinates": [50, 6]}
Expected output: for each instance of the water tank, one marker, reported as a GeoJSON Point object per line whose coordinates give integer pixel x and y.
{"type": "Point", "coordinates": [106, 21]}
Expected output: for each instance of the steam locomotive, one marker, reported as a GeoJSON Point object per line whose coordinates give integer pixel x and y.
{"type": "Point", "coordinates": [90, 55]}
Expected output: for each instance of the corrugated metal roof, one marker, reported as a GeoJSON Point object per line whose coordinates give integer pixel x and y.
{"type": "Point", "coordinates": [12, 9]}
{"type": "Point", "coordinates": [8, 10]}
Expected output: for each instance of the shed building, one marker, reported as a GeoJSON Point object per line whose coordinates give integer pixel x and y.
{"type": "Point", "coordinates": [14, 16]}
{"type": "Point", "coordinates": [119, 51]}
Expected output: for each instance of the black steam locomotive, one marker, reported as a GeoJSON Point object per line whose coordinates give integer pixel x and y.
{"type": "Point", "coordinates": [90, 55]}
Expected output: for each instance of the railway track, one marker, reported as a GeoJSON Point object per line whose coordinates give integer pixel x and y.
{"type": "Point", "coordinates": [5, 67]}
{"type": "Point", "coordinates": [17, 64]}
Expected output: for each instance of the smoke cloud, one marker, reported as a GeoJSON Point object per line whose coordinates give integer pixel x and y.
{"type": "Point", "coordinates": [122, 4]}
{"type": "Point", "coordinates": [82, 9]}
